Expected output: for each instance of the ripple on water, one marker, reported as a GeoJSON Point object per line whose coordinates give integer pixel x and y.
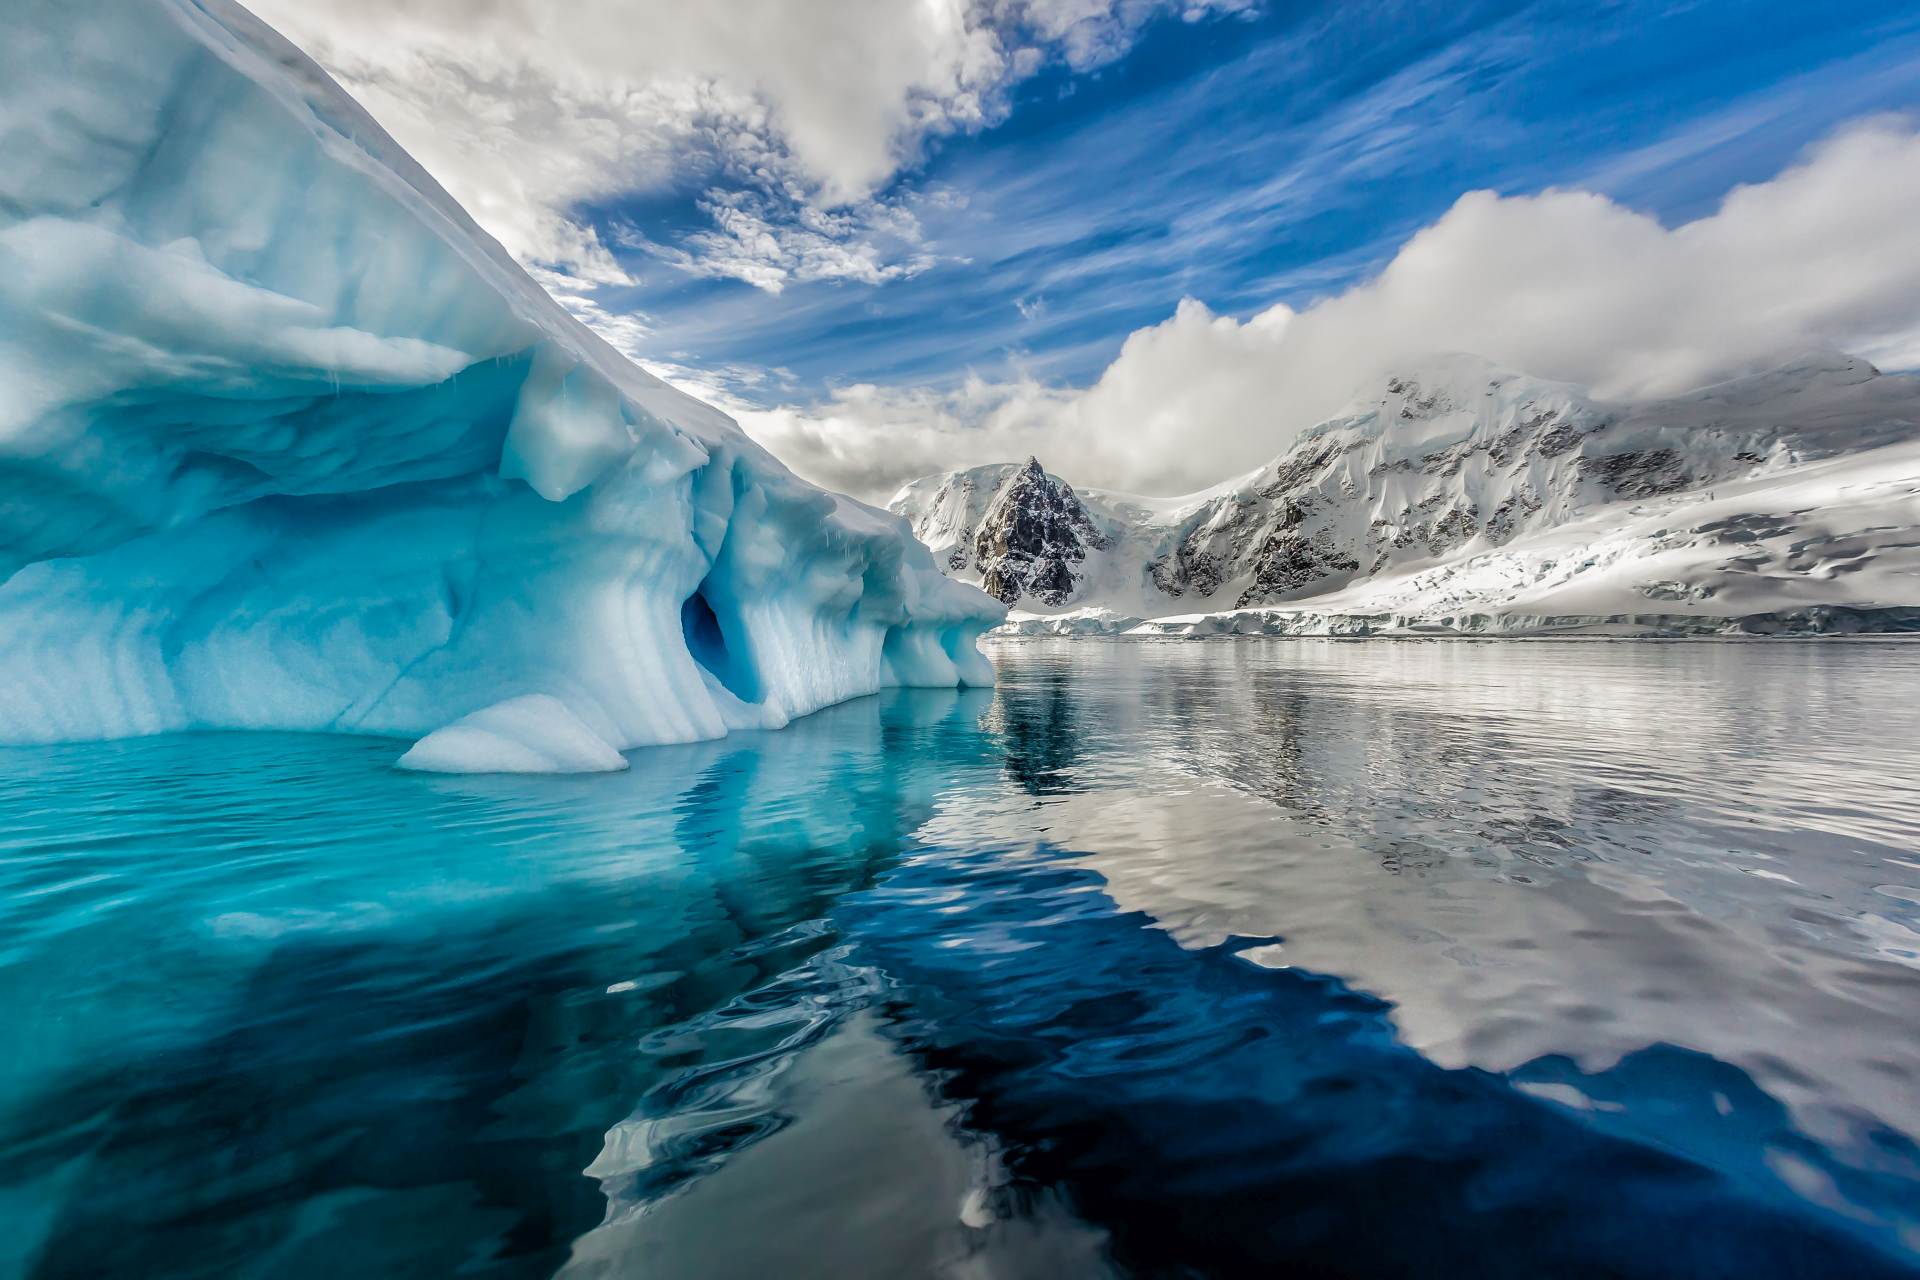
{"type": "Point", "coordinates": [1523, 958]}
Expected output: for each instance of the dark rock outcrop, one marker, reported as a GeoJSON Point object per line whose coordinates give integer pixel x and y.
{"type": "Point", "coordinates": [1034, 534]}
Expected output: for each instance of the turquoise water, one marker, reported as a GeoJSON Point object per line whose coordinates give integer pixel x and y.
{"type": "Point", "coordinates": [1507, 959]}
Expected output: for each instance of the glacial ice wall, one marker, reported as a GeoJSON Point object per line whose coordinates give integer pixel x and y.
{"type": "Point", "coordinates": [288, 442]}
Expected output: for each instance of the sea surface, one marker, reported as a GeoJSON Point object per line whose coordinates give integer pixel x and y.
{"type": "Point", "coordinates": [1275, 958]}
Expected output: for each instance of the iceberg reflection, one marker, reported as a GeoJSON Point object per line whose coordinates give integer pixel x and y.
{"type": "Point", "coordinates": [1210, 959]}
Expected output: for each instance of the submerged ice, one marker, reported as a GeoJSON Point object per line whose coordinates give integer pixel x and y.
{"type": "Point", "coordinates": [288, 442]}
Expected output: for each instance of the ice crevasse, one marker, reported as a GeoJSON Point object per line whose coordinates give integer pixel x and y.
{"type": "Point", "coordinates": [288, 442]}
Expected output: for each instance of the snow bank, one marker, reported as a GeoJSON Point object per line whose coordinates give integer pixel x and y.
{"type": "Point", "coordinates": [287, 442]}
{"type": "Point", "coordinates": [1076, 622]}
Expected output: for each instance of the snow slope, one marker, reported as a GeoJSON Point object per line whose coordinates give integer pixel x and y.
{"type": "Point", "coordinates": [1463, 497]}
{"type": "Point", "coordinates": [287, 442]}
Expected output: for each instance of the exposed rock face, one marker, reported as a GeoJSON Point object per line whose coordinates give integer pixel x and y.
{"type": "Point", "coordinates": [1452, 461]}
{"type": "Point", "coordinates": [1033, 535]}
{"type": "Point", "coordinates": [1022, 534]}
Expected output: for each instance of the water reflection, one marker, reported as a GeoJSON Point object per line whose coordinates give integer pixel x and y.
{"type": "Point", "coordinates": [1222, 1117]}
{"type": "Point", "coordinates": [1036, 731]}
{"type": "Point", "coordinates": [1537, 849]}
{"type": "Point", "coordinates": [1193, 958]}
{"type": "Point", "coordinates": [313, 1013]}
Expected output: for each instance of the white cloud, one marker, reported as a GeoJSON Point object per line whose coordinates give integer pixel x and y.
{"type": "Point", "coordinates": [1565, 285]}
{"type": "Point", "coordinates": [781, 110]}
{"type": "Point", "coordinates": [770, 242]}
{"type": "Point", "coordinates": [1091, 33]}
{"type": "Point", "coordinates": [627, 331]}
{"type": "Point", "coordinates": [869, 440]}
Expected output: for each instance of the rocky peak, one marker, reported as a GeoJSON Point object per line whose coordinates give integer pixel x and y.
{"type": "Point", "coordinates": [1034, 534]}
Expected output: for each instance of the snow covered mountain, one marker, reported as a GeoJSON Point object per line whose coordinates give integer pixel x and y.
{"type": "Point", "coordinates": [1461, 496]}
{"type": "Point", "coordinates": [1017, 531]}
{"type": "Point", "coordinates": [288, 442]}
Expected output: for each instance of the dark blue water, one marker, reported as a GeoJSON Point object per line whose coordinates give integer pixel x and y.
{"type": "Point", "coordinates": [1314, 959]}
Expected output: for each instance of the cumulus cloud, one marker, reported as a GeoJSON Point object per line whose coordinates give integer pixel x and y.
{"type": "Point", "coordinates": [868, 441]}
{"type": "Point", "coordinates": [1566, 285]}
{"type": "Point", "coordinates": [789, 115]}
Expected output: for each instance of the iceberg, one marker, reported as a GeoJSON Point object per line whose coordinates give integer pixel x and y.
{"type": "Point", "coordinates": [288, 442]}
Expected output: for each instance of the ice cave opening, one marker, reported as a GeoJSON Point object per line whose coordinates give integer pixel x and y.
{"type": "Point", "coordinates": [707, 642]}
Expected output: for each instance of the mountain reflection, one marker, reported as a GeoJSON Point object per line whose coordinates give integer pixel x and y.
{"type": "Point", "coordinates": [1171, 959]}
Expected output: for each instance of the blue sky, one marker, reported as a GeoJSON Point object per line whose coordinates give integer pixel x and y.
{"type": "Point", "coordinates": [1244, 162]}
{"type": "Point", "coordinates": [1151, 239]}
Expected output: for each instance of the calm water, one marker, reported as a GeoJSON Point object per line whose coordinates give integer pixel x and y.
{"type": "Point", "coordinates": [1294, 958]}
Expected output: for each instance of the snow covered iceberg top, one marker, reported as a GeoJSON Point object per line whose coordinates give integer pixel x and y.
{"type": "Point", "coordinates": [286, 441]}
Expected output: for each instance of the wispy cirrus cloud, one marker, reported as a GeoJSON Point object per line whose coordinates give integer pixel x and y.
{"type": "Point", "coordinates": [773, 240]}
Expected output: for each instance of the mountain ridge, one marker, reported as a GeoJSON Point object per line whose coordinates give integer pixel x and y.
{"type": "Point", "coordinates": [1448, 473]}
